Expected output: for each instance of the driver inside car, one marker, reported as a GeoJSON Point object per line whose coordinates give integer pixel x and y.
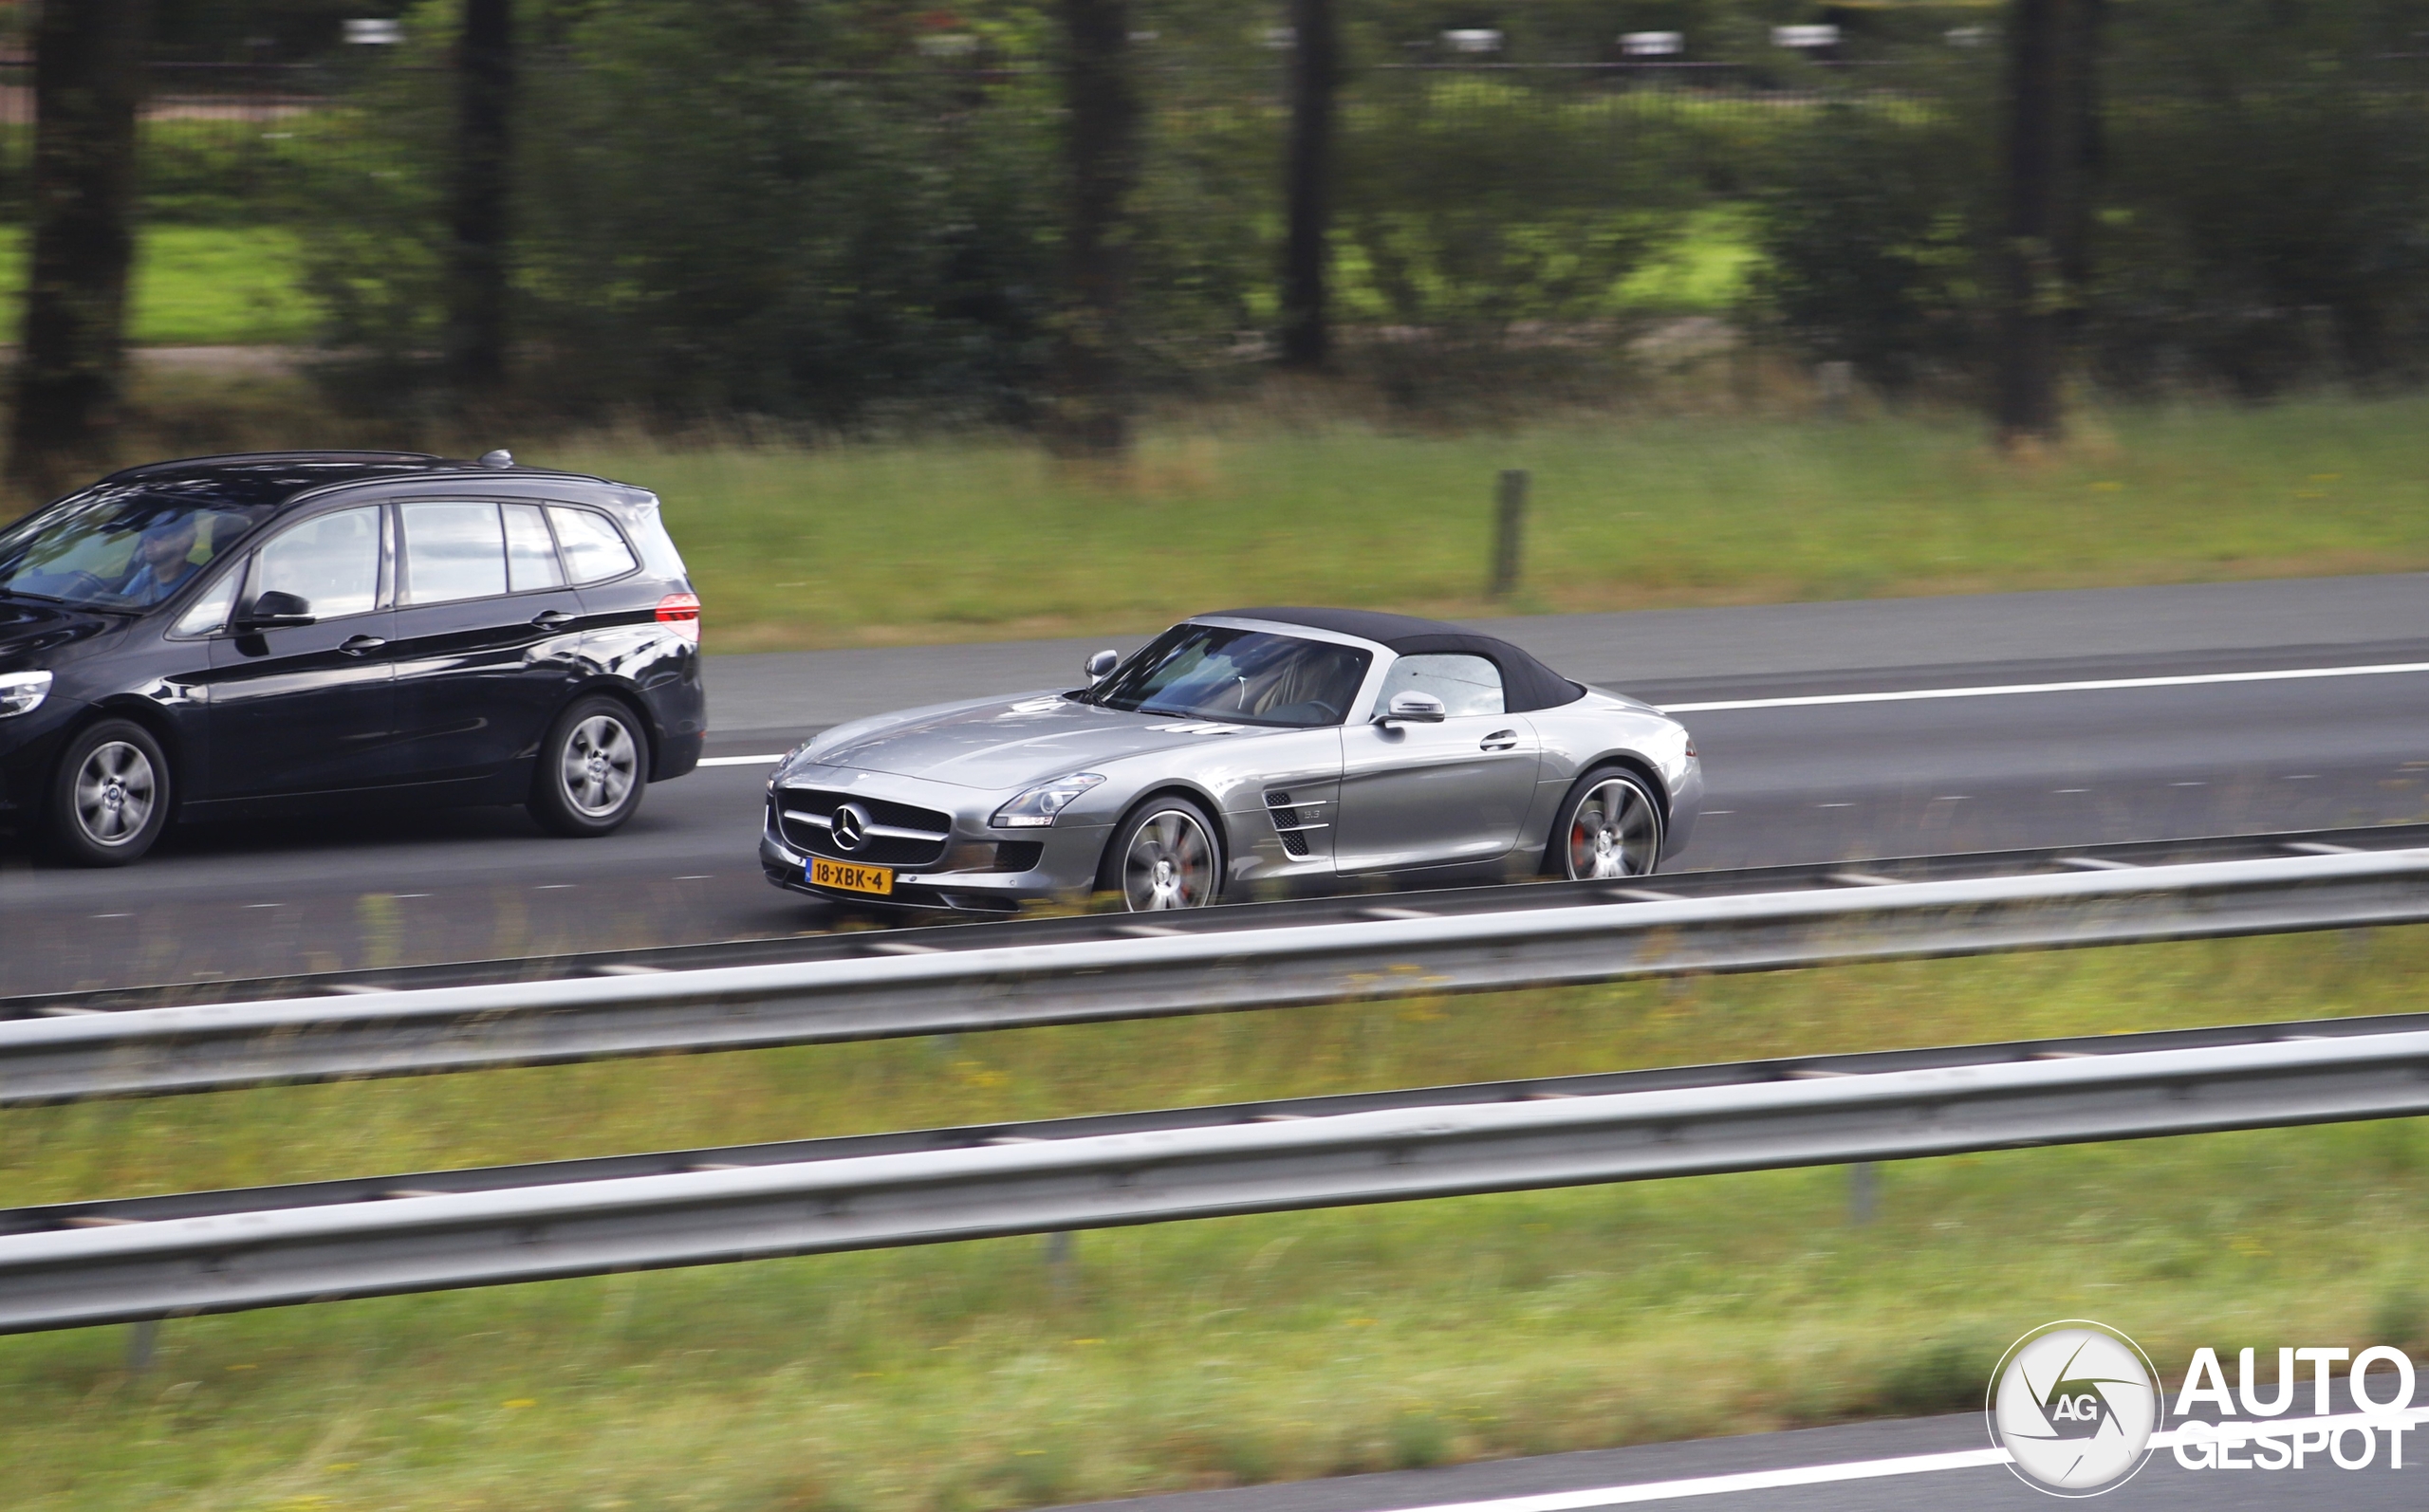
{"type": "Point", "coordinates": [164, 559]}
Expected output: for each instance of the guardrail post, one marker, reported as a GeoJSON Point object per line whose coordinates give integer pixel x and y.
{"type": "Point", "coordinates": [1058, 1264]}
{"type": "Point", "coordinates": [1509, 531]}
{"type": "Point", "coordinates": [1863, 1192]}
{"type": "Point", "coordinates": [140, 1336]}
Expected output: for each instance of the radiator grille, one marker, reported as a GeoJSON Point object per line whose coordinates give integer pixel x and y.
{"type": "Point", "coordinates": [804, 817]}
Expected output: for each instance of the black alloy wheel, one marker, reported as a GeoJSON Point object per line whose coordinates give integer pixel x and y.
{"type": "Point", "coordinates": [109, 796]}
{"type": "Point", "coordinates": [591, 769]}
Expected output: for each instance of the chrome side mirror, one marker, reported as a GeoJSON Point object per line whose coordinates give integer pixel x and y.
{"type": "Point", "coordinates": [1409, 706]}
{"type": "Point", "coordinates": [1103, 662]}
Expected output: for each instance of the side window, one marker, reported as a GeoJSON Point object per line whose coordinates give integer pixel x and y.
{"type": "Point", "coordinates": [207, 615]}
{"type": "Point", "coordinates": [330, 562]}
{"type": "Point", "coordinates": [452, 551]}
{"type": "Point", "coordinates": [1466, 685]}
{"type": "Point", "coordinates": [531, 556]}
{"type": "Point", "coordinates": [594, 549]}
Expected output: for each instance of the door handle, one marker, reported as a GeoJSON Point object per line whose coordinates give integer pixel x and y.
{"type": "Point", "coordinates": [357, 645]}
{"type": "Point", "coordinates": [1499, 740]}
{"type": "Point", "coordinates": [551, 619]}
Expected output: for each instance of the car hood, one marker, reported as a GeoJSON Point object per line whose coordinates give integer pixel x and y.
{"type": "Point", "coordinates": [30, 632]}
{"type": "Point", "coordinates": [1008, 743]}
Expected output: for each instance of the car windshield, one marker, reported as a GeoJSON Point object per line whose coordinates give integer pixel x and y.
{"type": "Point", "coordinates": [124, 547]}
{"type": "Point", "coordinates": [1247, 676]}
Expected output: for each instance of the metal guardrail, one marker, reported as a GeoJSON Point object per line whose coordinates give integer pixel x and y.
{"type": "Point", "coordinates": [117, 1268]}
{"type": "Point", "coordinates": [1346, 908]}
{"type": "Point", "coordinates": [1154, 974]}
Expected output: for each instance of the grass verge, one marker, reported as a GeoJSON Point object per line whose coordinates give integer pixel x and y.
{"type": "Point", "coordinates": [974, 538]}
{"type": "Point", "coordinates": [200, 286]}
{"type": "Point", "coordinates": [1237, 1351]}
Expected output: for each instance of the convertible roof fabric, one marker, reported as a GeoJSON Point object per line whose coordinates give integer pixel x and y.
{"type": "Point", "coordinates": [1526, 683]}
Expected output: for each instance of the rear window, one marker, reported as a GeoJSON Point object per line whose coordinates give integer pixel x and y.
{"type": "Point", "coordinates": [594, 549]}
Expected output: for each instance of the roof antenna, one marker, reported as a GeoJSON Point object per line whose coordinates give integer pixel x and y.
{"type": "Point", "coordinates": [499, 458]}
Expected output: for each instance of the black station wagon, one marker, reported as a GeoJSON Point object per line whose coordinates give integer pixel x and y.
{"type": "Point", "coordinates": [234, 636]}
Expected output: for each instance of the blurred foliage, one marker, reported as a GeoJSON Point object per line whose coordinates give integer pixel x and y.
{"type": "Point", "coordinates": [831, 209]}
{"type": "Point", "coordinates": [2257, 206]}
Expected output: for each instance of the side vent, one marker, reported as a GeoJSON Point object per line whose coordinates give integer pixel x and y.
{"type": "Point", "coordinates": [1293, 821]}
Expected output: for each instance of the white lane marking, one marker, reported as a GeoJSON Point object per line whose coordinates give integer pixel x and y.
{"type": "Point", "coordinates": [1873, 1470]}
{"type": "Point", "coordinates": [740, 760]}
{"type": "Point", "coordinates": [1724, 1484]}
{"type": "Point", "coordinates": [2187, 680]}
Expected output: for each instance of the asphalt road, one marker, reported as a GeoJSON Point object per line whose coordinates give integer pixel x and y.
{"type": "Point", "coordinates": [1787, 784]}
{"type": "Point", "coordinates": [1867, 1454]}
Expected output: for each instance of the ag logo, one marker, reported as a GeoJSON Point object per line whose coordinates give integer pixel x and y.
{"type": "Point", "coordinates": [2075, 1404]}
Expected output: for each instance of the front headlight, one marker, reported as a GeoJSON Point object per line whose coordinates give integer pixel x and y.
{"type": "Point", "coordinates": [1036, 808]}
{"type": "Point", "coordinates": [22, 692]}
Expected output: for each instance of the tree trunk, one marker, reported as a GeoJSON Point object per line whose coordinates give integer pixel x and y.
{"type": "Point", "coordinates": [1089, 413]}
{"type": "Point", "coordinates": [2035, 292]}
{"type": "Point", "coordinates": [1306, 335]}
{"type": "Point", "coordinates": [484, 146]}
{"type": "Point", "coordinates": [2086, 151]}
{"type": "Point", "coordinates": [88, 85]}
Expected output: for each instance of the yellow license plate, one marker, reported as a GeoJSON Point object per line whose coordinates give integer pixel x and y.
{"type": "Point", "coordinates": [851, 879]}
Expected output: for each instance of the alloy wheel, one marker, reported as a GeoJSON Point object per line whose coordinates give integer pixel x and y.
{"type": "Point", "coordinates": [599, 764]}
{"type": "Point", "coordinates": [1613, 833]}
{"type": "Point", "coordinates": [1170, 865]}
{"type": "Point", "coordinates": [116, 788]}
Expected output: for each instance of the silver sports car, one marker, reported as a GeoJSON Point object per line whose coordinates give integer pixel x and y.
{"type": "Point", "coordinates": [1249, 753]}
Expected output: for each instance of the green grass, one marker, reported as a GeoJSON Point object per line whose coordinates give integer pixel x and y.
{"type": "Point", "coordinates": [956, 538]}
{"type": "Point", "coordinates": [200, 286]}
{"type": "Point", "coordinates": [970, 1376]}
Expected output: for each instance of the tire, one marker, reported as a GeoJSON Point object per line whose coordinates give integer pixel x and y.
{"type": "Point", "coordinates": [1610, 827]}
{"type": "Point", "coordinates": [1167, 854]}
{"type": "Point", "coordinates": [591, 769]}
{"type": "Point", "coordinates": [110, 796]}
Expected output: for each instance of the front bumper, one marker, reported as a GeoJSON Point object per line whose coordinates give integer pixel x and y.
{"type": "Point", "coordinates": [1065, 866]}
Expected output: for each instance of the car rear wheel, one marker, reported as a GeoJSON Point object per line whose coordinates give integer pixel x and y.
{"type": "Point", "coordinates": [109, 797]}
{"type": "Point", "coordinates": [1610, 827]}
{"type": "Point", "coordinates": [591, 769]}
{"type": "Point", "coordinates": [1164, 855]}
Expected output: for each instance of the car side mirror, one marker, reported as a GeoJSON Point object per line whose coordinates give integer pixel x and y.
{"type": "Point", "coordinates": [274, 609]}
{"type": "Point", "coordinates": [1101, 663]}
{"type": "Point", "coordinates": [1409, 706]}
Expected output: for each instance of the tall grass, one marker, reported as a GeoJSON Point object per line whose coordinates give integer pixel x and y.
{"type": "Point", "coordinates": [984, 1374]}
{"type": "Point", "coordinates": [977, 538]}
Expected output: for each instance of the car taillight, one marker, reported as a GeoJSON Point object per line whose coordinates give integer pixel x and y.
{"type": "Point", "coordinates": [680, 612]}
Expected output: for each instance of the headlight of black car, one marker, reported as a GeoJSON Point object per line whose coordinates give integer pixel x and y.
{"type": "Point", "coordinates": [22, 692]}
{"type": "Point", "coordinates": [1036, 808]}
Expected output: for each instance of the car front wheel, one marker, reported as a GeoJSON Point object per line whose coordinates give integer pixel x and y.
{"type": "Point", "coordinates": [591, 769]}
{"type": "Point", "coordinates": [1164, 855]}
{"type": "Point", "coordinates": [1610, 827]}
{"type": "Point", "coordinates": [109, 797]}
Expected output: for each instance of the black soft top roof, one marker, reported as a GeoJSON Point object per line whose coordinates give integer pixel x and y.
{"type": "Point", "coordinates": [1526, 682]}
